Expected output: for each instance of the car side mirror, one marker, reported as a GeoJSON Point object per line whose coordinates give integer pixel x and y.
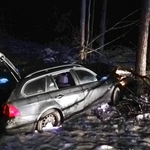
{"type": "Point", "coordinates": [102, 78]}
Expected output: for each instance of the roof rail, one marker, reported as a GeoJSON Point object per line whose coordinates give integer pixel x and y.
{"type": "Point", "coordinates": [59, 66]}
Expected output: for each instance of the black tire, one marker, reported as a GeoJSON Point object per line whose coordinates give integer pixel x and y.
{"type": "Point", "coordinates": [116, 96]}
{"type": "Point", "coordinates": [51, 116]}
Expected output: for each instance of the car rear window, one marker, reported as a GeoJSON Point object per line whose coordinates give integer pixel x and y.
{"type": "Point", "coordinates": [35, 87]}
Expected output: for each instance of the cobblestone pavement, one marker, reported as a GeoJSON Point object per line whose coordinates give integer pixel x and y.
{"type": "Point", "coordinates": [86, 132]}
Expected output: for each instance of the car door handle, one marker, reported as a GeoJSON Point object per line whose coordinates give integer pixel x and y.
{"type": "Point", "coordinates": [59, 96]}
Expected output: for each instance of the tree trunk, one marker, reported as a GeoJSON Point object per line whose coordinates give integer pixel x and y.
{"type": "Point", "coordinates": [82, 27]}
{"type": "Point", "coordinates": [143, 39]}
{"type": "Point", "coordinates": [92, 21]}
{"type": "Point", "coordinates": [92, 5]}
{"type": "Point", "coordinates": [88, 22]}
{"type": "Point", "coordinates": [148, 49]}
{"type": "Point", "coordinates": [102, 26]}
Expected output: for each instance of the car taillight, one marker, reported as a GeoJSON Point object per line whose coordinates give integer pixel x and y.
{"type": "Point", "coordinates": [10, 111]}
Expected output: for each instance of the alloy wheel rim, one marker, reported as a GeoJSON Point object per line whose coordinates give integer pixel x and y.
{"type": "Point", "coordinates": [50, 118]}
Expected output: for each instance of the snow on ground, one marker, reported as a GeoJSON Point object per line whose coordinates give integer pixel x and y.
{"type": "Point", "coordinates": [85, 132]}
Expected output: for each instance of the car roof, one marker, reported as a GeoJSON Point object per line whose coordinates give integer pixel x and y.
{"type": "Point", "coordinates": [53, 69]}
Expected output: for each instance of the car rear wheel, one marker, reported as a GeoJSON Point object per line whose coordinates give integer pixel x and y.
{"type": "Point", "coordinates": [49, 119]}
{"type": "Point", "coordinates": [116, 95]}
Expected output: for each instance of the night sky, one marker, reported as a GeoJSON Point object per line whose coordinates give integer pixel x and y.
{"type": "Point", "coordinates": [43, 21]}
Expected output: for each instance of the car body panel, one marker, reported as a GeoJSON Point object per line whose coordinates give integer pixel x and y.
{"type": "Point", "coordinates": [71, 99]}
{"type": "Point", "coordinates": [94, 91]}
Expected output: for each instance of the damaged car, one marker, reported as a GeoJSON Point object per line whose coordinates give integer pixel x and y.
{"type": "Point", "coordinates": [52, 95]}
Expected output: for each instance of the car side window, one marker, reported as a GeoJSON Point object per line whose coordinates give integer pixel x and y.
{"type": "Point", "coordinates": [85, 76]}
{"type": "Point", "coordinates": [35, 87]}
{"type": "Point", "coordinates": [51, 86]}
{"type": "Point", "coordinates": [64, 80]}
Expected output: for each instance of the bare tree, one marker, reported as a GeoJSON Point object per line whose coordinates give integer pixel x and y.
{"type": "Point", "coordinates": [85, 28]}
{"type": "Point", "coordinates": [103, 25]}
{"type": "Point", "coordinates": [92, 21]}
{"type": "Point", "coordinates": [82, 27]}
{"type": "Point", "coordinates": [141, 63]}
{"type": "Point", "coordinates": [88, 23]}
{"type": "Point", "coordinates": [91, 26]}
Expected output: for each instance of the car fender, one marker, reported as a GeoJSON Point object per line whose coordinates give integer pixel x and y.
{"type": "Point", "coordinates": [108, 94]}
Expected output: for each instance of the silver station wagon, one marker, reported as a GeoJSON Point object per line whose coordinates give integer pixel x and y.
{"type": "Point", "coordinates": [53, 95]}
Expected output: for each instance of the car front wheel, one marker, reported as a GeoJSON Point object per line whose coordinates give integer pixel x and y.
{"type": "Point", "coordinates": [49, 119]}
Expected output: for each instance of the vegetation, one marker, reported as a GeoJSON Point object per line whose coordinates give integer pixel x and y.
{"type": "Point", "coordinates": [141, 86]}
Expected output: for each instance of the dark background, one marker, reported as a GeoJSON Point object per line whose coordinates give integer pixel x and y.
{"type": "Point", "coordinates": [44, 21]}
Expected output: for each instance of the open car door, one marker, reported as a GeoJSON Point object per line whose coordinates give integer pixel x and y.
{"type": "Point", "coordinates": [13, 70]}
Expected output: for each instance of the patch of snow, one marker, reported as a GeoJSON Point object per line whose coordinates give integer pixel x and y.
{"type": "Point", "coordinates": [143, 116]}
{"type": "Point", "coordinates": [105, 147]}
{"type": "Point", "coordinates": [66, 146]}
{"type": "Point", "coordinates": [104, 107]}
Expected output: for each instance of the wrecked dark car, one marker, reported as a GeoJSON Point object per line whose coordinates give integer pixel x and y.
{"type": "Point", "coordinates": [52, 95]}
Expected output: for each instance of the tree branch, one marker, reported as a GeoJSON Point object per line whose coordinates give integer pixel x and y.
{"type": "Point", "coordinates": [113, 27]}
